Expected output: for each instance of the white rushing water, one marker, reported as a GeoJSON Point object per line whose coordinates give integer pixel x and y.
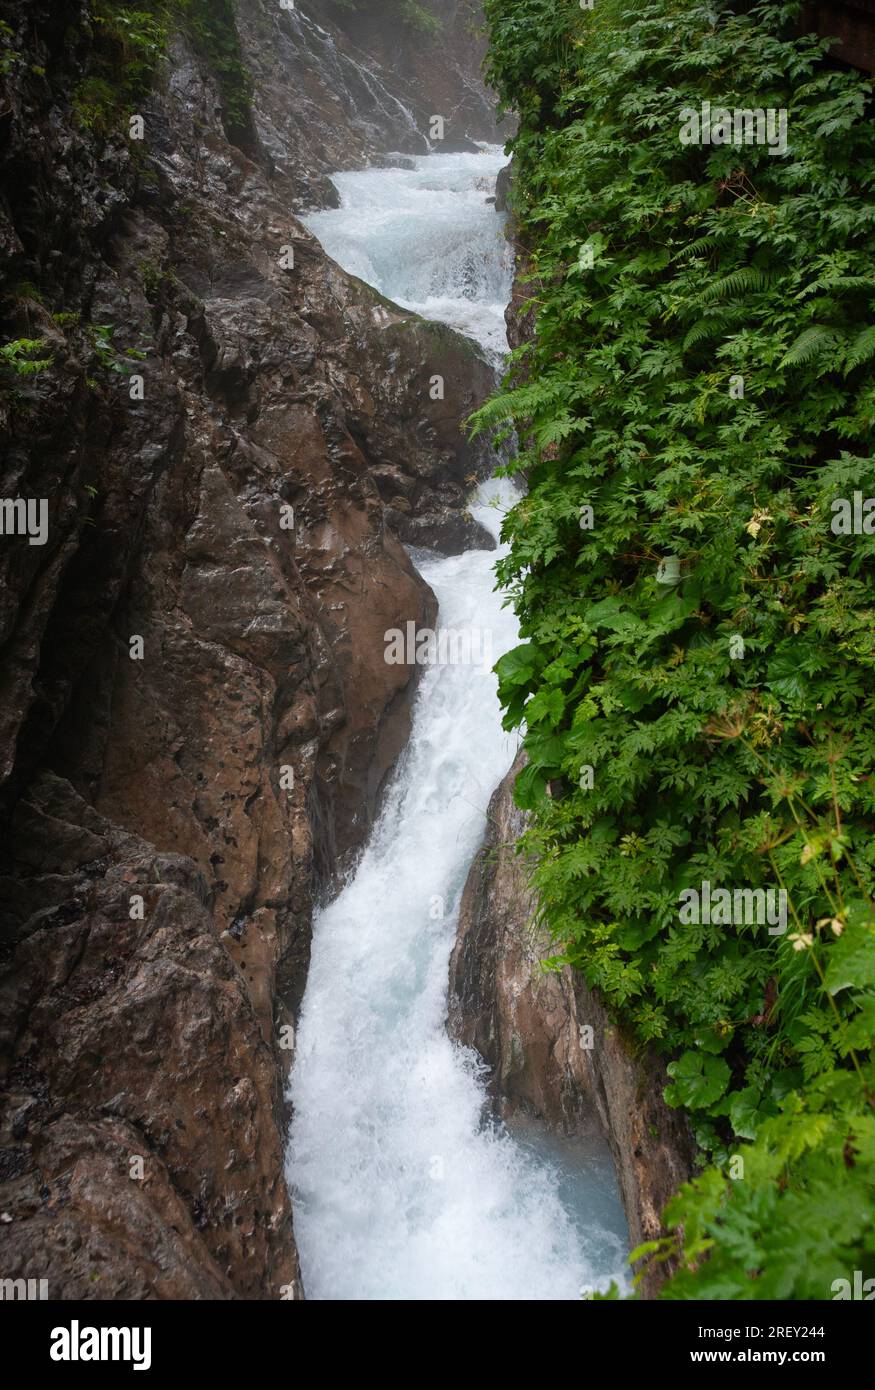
{"type": "Point", "coordinates": [402, 1190]}
{"type": "Point", "coordinates": [428, 239]}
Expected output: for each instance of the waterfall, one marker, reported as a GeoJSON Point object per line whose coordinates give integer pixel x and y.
{"type": "Point", "coordinates": [402, 1189]}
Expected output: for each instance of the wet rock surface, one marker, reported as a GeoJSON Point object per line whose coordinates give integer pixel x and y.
{"type": "Point", "coordinates": [141, 1095]}
{"type": "Point", "coordinates": [521, 1019]}
{"type": "Point", "coordinates": [553, 1051]}
{"type": "Point", "coordinates": [441, 68]}
{"type": "Point", "coordinates": [197, 720]}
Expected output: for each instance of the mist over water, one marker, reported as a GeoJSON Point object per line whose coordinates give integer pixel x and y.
{"type": "Point", "coordinates": [402, 1189]}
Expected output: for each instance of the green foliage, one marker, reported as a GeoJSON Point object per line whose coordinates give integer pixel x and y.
{"type": "Point", "coordinates": [213, 30]}
{"type": "Point", "coordinates": [26, 289]}
{"type": "Point", "coordinates": [801, 1217]}
{"type": "Point", "coordinates": [106, 354]}
{"type": "Point", "coordinates": [130, 41]}
{"type": "Point", "coordinates": [130, 44]}
{"type": "Point", "coordinates": [9, 56]}
{"type": "Point", "coordinates": [21, 356]}
{"type": "Point", "coordinates": [134, 38]}
{"type": "Point", "coordinates": [748, 767]}
{"type": "Point", "coordinates": [96, 105]}
{"type": "Point", "coordinates": [419, 17]}
{"type": "Point", "coordinates": [155, 281]}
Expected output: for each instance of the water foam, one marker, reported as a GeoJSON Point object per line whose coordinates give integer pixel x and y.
{"type": "Point", "coordinates": [428, 239]}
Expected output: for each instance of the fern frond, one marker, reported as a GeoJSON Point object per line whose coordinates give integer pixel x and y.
{"type": "Point", "coordinates": [810, 343]}
{"type": "Point", "coordinates": [747, 280]}
{"type": "Point", "coordinates": [862, 348]}
{"type": "Point", "coordinates": [695, 248]}
{"type": "Point", "coordinates": [705, 328]}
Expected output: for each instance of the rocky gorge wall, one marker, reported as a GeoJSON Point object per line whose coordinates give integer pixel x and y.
{"type": "Point", "coordinates": [441, 67]}
{"type": "Point", "coordinates": [554, 1052]}
{"type": "Point", "coordinates": [233, 439]}
{"type": "Point", "coordinates": [336, 86]}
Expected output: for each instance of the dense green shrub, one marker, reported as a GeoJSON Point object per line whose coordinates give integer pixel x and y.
{"type": "Point", "coordinates": [727, 717]}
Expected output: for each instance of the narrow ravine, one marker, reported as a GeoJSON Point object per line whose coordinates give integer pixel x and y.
{"type": "Point", "coordinates": [402, 1189]}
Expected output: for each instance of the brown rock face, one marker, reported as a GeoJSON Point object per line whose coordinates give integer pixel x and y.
{"type": "Point", "coordinates": [197, 719]}
{"type": "Point", "coordinates": [521, 1019]}
{"type": "Point", "coordinates": [652, 1146]}
{"type": "Point", "coordinates": [159, 1173]}
{"type": "Point", "coordinates": [532, 1028]}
